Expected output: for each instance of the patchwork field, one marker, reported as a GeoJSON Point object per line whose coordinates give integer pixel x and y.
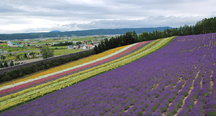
{"type": "Point", "coordinates": [171, 76]}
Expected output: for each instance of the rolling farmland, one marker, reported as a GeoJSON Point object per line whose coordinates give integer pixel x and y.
{"type": "Point", "coordinates": [171, 76]}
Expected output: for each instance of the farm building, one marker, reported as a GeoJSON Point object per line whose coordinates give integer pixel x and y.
{"type": "Point", "coordinates": [84, 47]}
{"type": "Point", "coordinates": [91, 46]}
{"type": "Point", "coordinates": [75, 47]}
{"type": "Point", "coordinates": [70, 47]}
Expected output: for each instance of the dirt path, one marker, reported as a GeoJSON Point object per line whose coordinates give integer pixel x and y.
{"type": "Point", "coordinates": [211, 81]}
{"type": "Point", "coordinates": [189, 92]}
{"type": "Point", "coordinates": [33, 60]}
{"type": "Point", "coordinates": [29, 60]}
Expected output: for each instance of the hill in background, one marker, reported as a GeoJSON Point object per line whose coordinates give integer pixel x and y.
{"type": "Point", "coordinates": [57, 33]}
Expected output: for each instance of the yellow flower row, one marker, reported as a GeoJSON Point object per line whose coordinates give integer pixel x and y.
{"type": "Point", "coordinates": [65, 66]}
{"type": "Point", "coordinates": [74, 78]}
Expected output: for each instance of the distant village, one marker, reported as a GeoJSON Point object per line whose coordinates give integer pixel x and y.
{"type": "Point", "coordinates": [38, 42]}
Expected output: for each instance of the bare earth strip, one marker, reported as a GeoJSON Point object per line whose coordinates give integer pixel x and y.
{"type": "Point", "coordinates": [211, 81]}
{"type": "Point", "coordinates": [192, 87]}
{"type": "Point", "coordinates": [164, 114]}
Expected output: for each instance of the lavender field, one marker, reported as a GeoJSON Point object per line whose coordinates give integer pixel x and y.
{"type": "Point", "coordinates": [178, 79]}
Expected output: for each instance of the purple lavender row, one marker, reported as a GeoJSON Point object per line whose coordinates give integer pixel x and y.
{"type": "Point", "coordinates": [152, 104]}
{"type": "Point", "coordinates": [138, 102]}
{"type": "Point", "coordinates": [165, 103]}
{"type": "Point", "coordinates": [198, 108]}
{"type": "Point", "coordinates": [117, 112]}
{"type": "Point", "coordinates": [167, 85]}
{"type": "Point", "coordinates": [210, 108]}
{"type": "Point", "coordinates": [189, 100]}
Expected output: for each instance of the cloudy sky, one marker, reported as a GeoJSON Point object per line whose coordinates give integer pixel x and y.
{"type": "Point", "coordinates": [23, 16]}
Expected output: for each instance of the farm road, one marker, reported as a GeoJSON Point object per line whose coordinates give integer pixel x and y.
{"type": "Point", "coordinates": [30, 60]}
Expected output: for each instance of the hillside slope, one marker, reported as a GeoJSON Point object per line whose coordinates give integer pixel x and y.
{"type": "Point", "coordinates": [178, 79]}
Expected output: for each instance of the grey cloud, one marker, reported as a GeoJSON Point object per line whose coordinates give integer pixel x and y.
{"type": "Point", "coordinates": [106, 13]}
{"type": "Point", "coordinates": [147, 22]}
{"type": "Point", "coordinates": [111, 24]}
{"type": "Point", "coordinates": [7, 8]}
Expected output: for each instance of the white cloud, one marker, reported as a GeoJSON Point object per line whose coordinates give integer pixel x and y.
{"type": "Point", "coordinates": [18, 16]}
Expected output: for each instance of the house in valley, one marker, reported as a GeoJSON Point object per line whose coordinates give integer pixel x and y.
{"type": "Point", "coordinates": [70, 47]}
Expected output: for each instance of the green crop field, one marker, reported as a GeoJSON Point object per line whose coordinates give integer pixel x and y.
{"type": "Point", "coordinates": [4, 45]}
{"type": "Point", "coordinates": [16, 49]}
{"type": "Point", "coordinates": [65, 51]}
{"type": "Point", "coordinates": [83, 39]}
{"type": "Point", "coordinates": [59, 47]}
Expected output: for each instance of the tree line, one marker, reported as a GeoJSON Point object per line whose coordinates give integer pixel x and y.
{"type": "Point", "coordinates": [207, 25]}
{"type": "Point", "coordinates": [128, 38]}
{"type": "Point", "coordinates": [67, 43]}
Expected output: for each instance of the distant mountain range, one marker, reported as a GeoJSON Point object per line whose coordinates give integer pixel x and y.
{"type": "Point", "coordinates": [56, 33]}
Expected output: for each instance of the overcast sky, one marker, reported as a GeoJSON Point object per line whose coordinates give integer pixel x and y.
{"type": "Point", "coordinates": [23, 16]}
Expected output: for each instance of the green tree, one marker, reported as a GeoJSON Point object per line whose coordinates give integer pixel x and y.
{"type": "Point", "coordinates": [11, 63]}
{"type": "Point", "coordinates": [25, 55]}
{"type": "Point", "coordinates": [143, 36]}
{"type": "Point", "coordinates": [78, 43]}
{"type": "Point", "coordinates": [1, 65]}
{"type": "Point", "coordinates": [17, 57]}
{"type": "Point", "coordinates": [46, 52]}
{"type": "Point", "coordinates": [100, 48]}
{"type": "Point", "coordinates": [103, 46]}
{"type": "Point", "coordinates": [134, 35]}
{"type": "Point", "coordinates": [5, 64]}
{"type": "Point", "coordinates": [3, 57]}
{"type": "Point", "coordinates": [96, 49]}
{"type": "Point", "coordinates": [107, 44]}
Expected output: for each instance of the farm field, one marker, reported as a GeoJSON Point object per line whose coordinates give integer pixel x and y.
{"type": "Point", "coordinates": [58, 47]}
{"type": "Point", "coordinates": [16, 49]}
{"type": "Point", "coordinates": [3, 45]}
{"type": "Point", "coordinates": [65, 51]}
{"type": "Point", "coordinates": [83, 39]}
{"type": "Point", "coordinates": [51, 40]}
{"type": "Point", "coordinates": [171, 76]}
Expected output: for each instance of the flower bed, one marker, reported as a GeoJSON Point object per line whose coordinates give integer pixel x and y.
{"type": "Point", "coordinates": [33, 92]}
{"type": "Point", "coordinates": [17, 86]}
